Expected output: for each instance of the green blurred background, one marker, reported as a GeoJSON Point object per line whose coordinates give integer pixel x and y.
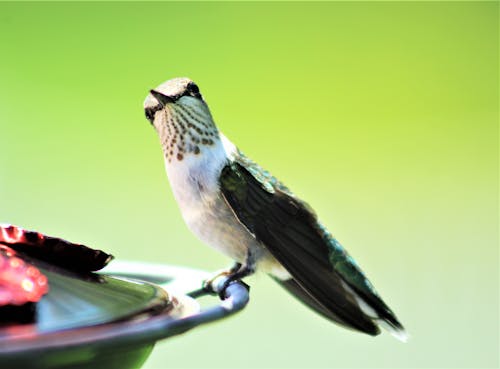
{"type": "Point", "coordinates": [383, 116]}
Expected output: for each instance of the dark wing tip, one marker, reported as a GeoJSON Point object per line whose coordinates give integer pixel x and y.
{"type": "Point", "coordinates": [301, 294]}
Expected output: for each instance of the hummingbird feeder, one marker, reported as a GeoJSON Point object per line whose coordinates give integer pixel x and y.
{"type": "Point", "coordinates": [57, 312]}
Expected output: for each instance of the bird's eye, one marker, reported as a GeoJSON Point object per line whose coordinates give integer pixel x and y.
{"type": "Point", "coordinates": [150, 114]}
{"type": "Point", "coordinates": [193, 90]}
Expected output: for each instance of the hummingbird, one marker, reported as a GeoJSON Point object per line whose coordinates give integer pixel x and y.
{"type": "Point", "coordinates": [232, 204]}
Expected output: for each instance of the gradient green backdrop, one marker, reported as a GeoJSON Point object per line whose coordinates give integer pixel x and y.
{"type": "Point", "coordinates": [383, 116]}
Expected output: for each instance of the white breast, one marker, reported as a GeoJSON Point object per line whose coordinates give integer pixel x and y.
{"type": "Point", "coordinates": [195, 183]}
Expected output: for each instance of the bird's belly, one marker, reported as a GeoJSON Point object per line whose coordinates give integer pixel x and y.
{"type": "Point", "coordinates": [215, 224]}
{"type": "Point", "coordinates": [211, 220]}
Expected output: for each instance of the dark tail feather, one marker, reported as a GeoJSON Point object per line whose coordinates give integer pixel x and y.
{"type": "Point", "coordinates": [296, 290]}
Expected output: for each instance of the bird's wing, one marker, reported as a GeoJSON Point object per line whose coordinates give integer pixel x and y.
{"type": "Point", "coordinates": [333, 284]}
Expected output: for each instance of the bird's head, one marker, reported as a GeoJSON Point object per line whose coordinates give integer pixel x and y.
{"type": "Point", "coordinates": [181, 117]}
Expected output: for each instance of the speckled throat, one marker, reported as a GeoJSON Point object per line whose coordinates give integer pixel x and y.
{"type": "Point", "coordinates": [185, 130]}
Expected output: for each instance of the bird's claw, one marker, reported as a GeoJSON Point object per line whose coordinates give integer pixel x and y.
{"type": "Point", "coordinates": [224, 285]}
{"type": "Point", "coordinates": [211, 285]}
{"type": "Point", "coordinates": [220, 282]}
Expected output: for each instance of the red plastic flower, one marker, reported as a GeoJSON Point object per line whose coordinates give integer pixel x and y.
{"type": "Point", "coordinates": [20, 282]}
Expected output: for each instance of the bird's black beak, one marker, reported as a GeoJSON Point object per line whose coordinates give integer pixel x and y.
{"type": "Point", "coordinates": [162, 99]}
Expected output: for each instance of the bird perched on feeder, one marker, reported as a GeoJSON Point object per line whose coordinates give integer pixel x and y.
{"type": "Point", "coordinates": [240, 209]}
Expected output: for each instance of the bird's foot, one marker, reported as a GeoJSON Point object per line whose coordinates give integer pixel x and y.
{"type": "Point", "coordinates": [210, 285]}
{"type": "Point", "coordinates": [221, 281]}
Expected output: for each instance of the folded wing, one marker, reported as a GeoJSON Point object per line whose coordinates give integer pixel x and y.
{"type": "Point", "coordinates": [325, 277]}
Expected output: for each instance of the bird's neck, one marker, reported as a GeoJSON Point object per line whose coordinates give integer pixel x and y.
{"type": "Point", "coordinates": [185, 132]}
{"type": "Point", "coordinates": [198, 174]}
